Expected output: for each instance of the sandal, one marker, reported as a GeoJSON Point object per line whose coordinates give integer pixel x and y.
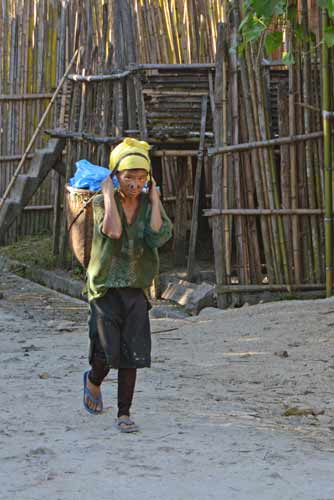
{"type": "Point", "coordinates": [126, 425]}
{"type": "Point", "coordinates": [89, 395]}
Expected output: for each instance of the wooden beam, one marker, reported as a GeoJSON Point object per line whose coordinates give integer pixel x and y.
{"type": "Point", "coordinates": [174, 67]}
{"type": "Point", "coordinates": [99, 78]}
{"type": "Point", "coordinates": [99, 139]}
{"type": "Point", "coordinates": [269, 288]}
{"type": "Point", "coordinates": [213, 212]}
{"type": "Point", "coordinates": [5, 159]}
{"type": "Point", "coordinates": [24, 97]}
{"type": "Point", "coordinates": [37, 207]}
{"type": "Point", "coordinates": [264, 144]}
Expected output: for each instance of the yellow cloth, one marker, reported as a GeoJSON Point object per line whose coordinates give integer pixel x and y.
{"type": "Point", "coordinates": [130, 147]}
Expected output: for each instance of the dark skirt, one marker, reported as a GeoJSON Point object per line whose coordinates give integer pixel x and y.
{"type": "Point", "coordinates": [119, 326]}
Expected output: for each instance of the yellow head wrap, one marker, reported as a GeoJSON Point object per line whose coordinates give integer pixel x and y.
{"type": "Point", "coordinates": [130, 154]}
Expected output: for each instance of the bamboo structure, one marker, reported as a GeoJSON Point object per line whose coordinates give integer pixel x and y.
{"type": "Point", "coordinates": [289, 181]}
{"type": "Point", "coordinates": [36, 132]}
{"type": "Point", "coordinates": [241, 137]}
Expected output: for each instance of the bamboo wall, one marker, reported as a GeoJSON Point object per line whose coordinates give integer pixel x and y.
{"type": "Point", "coordinates": [271, 224]}
{"type": "Point", "coordinates": [37, 39]}
{"type": "Point", "coordinates": [31, 42]}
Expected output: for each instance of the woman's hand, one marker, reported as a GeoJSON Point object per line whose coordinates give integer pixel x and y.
{"type": "Point", "coordinates": [154, 194]}
{"type": "Point", "coordinates": [156, 219]}
{"type": "Point", "coordinates": [107, 187]}
{"type": "Point", "coordinates": [112, 224]}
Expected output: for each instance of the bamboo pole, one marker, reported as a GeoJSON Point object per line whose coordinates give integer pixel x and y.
{"type": "Point", "coordinates": [266, 143]}
{"type": "Point", "coordinates": [283, 118]}
{"type": "Point", "coordinates": [327, 160]}
{"type": "Point", "coordinates": [197, 186]}
{"type": "Point", "coordinates": [25, 97]}
{"type": "Point", "coordinates": [251, 232]}
{"type": "Point", "coordinates": [263, 211]}
{"type": "Point", "coordinates": [234, 83]}
{"type": "Point", "coordinates": [217, 201]}
{"type": "Point", "coordinates": [269, 288]}
{"type": "Point", "coordinates": [255, 161]}
{"type": "Point", "coordinates": [314, 236]}
{"type": "Point", "coordinates": [293, 156]}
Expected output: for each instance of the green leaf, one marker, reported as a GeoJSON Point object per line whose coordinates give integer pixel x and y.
{"type": "Point", "coordinates": [253, 30]}
{"type": "Point", "coordinates": [268, 8]}
{"type": "Point", "coordinates": [330, 7]}
{"type": "Point", "coordinates": [288, 58]}
{"type": "Point", "coordinates": [329, 36]}
{"type": "Point", "coordinates": [327, 4]}
{"type": "Point", "coordinates": [292, 13]}
{"type": "Point", "coordinates": [273, 41]}
{"type": "Point", "coordinates": [246, 21]}
{"type": "Point", "coordinates": [240, 49]}
{"type": "Point", "coordinates": [299, 33]}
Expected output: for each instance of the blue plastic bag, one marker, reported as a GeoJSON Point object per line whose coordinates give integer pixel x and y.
{"type": "Point", "coordinates": [90, 176]}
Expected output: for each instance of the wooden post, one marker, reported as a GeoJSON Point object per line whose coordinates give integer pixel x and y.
{"type": "Point", "coordinates": [56, 213]}
{"type": "Point", "coordinates": [130, 57]}
{"type": "Point", "coordinates": [119, 63]}
{"type": "Point", "coordinates": [283, 124]}
{"type": "Point", "coordinates": [197, 190]}
{"type": "Point", "coordinates": [140, 105]}
{"type": "Point", "coordinates": [180, 223]}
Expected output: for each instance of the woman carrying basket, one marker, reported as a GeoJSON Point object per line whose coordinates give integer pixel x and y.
{"type": "Point", "coordinates": [129, 227]}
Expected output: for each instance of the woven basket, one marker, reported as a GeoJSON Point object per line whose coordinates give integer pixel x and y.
{"type": "Point", "coordinates": [79, 214]}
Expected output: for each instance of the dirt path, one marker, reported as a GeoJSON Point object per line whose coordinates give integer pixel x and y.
{"type": "Point", "coordinates": [210, 409]}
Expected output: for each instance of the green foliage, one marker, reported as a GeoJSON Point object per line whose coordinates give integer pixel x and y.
{"type": "Point", "coordinates": [252, 28]}
{"type": "Point", "coordinates": [327, 4]}
{"type": "Point", "coordinates": [269, 8]}
{"type": "Point", "coordinates": [273, 41]}
{"type": "Point", "coordinates": [329, 36]}
{"type": "Point", "coordinates": [288, 58]}
{"type": "Point", "coordinates": [259, 15]}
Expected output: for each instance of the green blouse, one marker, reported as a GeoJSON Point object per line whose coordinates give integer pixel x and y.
{"type": "Point", "coordinates": [131, 261]}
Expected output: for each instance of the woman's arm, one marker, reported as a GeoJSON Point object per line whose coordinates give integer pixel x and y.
{"type": "Point", "coordinates": [159, 228]}
{"type": "Point", "coordinates": [112, 224]}
{"type": "Point", "coordinates": [156, 219]}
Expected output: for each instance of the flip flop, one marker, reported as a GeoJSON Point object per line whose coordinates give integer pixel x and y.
{"type": "Point", "coordinates": [89, 395]}
{"type": "Point", "coordinates": [128, 425]}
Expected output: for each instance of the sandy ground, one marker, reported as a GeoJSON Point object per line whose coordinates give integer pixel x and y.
{"type": "Point", "coordinates": [210, 409]}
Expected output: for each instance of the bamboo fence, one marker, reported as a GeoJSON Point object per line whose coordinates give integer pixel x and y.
{"type": "Point", "coordinates": [279, 181]}
{"type": "Point", "coordinates": [270, 192]}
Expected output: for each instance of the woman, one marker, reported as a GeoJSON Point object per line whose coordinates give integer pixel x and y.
{"type": "Point", "coordinates": [129, 226]}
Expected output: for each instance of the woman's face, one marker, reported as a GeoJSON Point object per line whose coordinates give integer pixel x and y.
{"type": "Point", "coordinates": [131, 182]}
